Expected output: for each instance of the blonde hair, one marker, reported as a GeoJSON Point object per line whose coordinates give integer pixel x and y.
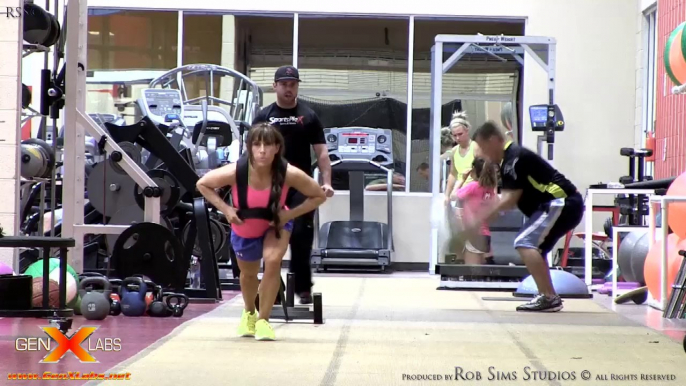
{"type": "Point", "coordinates": [460, 119]}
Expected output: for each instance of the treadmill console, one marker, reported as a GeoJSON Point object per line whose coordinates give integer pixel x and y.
{"type": "Point", "coordinates": [540, 114]}
{"type": "Point", "coordinates": [158, 104]}
{"type": "Point", "coordinates": [360, 143]}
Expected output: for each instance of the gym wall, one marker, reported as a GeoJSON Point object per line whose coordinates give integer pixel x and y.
{"type": "Point", "coordinates": [596, 69]}
{"type": "Point", "coordinates": [10, 129]}
{"type": "Point", "coordinates": [670, 141]}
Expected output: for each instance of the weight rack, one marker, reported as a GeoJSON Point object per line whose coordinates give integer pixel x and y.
{"type": "Point", "coordinates": [59, 316]}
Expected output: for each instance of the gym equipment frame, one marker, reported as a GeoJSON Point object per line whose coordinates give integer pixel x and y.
{"type": "Point", "coordinates": [540, 49]}
{"type": "Point", "coordinates": [663, 202]}
{"type": "Point", "coordinates": [288, 310]}
{"type": "Point", "coordinates": [616, 229]}
{"type": "Point", "coordinates": [61, 316]}
{"type": "Point", "coordinates": [77, 124]}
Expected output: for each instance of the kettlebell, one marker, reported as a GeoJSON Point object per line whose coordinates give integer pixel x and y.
{"type": "Point", "coordinates": [133, 290]}
{"type": "Point", "coordinates": [77, 305]}
{"type": "Point", "coordinates": [86, 275]}
{"type": "Point", "coordinates": [177, 303]}
{"type": "Point", "coordinates": [116, 283]}
{"type": "Point", "coordinates": [158, 308]}
{"type": "Point", "coordinates": [115, 305]}
{"type": "Point", "coordinates": [95, 305]}
{"type": "Point", "coordinates": [115, 300]}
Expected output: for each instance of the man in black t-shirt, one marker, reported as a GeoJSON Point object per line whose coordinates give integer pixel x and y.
{"type": "Point", "coordinates": [301, 129]}
{"type": "Point", "coordinates": [552, 204]}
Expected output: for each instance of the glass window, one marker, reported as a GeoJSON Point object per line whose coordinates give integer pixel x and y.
{"type": "Point", "coordinates": [132, 40]}
{"type": "Point", "coordinates": [354, 73]}
{"type": "Point", "coordinates": [202, 44]}
{"type": "Point", "coordinates": [478, 84]}
{"type": "Point", "coordinates": [263, 43]}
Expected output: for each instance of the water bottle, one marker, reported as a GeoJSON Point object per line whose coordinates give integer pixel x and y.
{"type": "Point", "coordinates": [195, 272]}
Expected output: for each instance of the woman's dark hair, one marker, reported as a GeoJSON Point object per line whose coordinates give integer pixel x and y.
{"type": "Point", "coordinates": [264, 133]}
{"type": "Point", "coordinates": [485, 172]}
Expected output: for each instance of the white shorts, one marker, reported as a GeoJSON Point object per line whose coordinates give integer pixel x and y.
{"type": "Point", "coordinates": [468, 246]}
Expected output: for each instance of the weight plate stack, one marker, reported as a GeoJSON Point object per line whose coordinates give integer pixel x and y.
{"type": "Point", "coordinates": [108, 191]}
{"type": "Point", "coordinates": [133, 151]}
{"type": "Point", "coordinates": [154, 251]}
{"type": "Point", "coordinates": [170, 190]}
{"type": "Point", "coordinates": [130, 215]}
{"type": "Point", "coordinates": [218, 232]}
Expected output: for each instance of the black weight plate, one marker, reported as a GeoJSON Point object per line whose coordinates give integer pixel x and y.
{"type": "Point", "coordinates": [37, 24]}
{"type": "Point", "coordinates": [55, 32]}
{"type": "Point", "coordinates": [133, 151]}
{"type": "Point", "coordinates": [218, 232]}
{"type": "Point", "coordinates": [108, 191]}
{"type": "Point", "coordinates": [128, 216]}
{"type": "Point", "coordinates": [25, 96]}
{"type": "Point", "coordinates": [151, 250]}
{"type": "Point", "coordinates": [171, 192]}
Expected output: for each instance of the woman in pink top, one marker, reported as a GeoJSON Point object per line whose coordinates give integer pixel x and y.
{"type": "Point", "coordinates": [254, 239]}
{"type": "Point", "coordinates": [475, 196]}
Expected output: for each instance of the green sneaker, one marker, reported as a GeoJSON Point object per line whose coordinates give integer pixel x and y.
{"type": "Point", "coordinates": [247, 326]}
{"type": "Point", "coordinates": [264, 331]}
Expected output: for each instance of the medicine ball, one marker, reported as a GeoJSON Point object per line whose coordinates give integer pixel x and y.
{"type": "Point", "coordinates": [624, 253]}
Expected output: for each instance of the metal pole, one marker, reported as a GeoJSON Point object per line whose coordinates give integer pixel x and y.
{"type": "Point", "coordinates": [408, 116]}
{"type": "Point", "coordinates": [435, 139]}
{"type": "Point", "coordinates": [179, 40]}
{"type": "Point", "coordinates": [296, 29]}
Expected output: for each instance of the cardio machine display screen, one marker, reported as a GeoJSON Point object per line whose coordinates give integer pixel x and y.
{"type": "Point", "coordinates": [352, 140]}
{"type": "Point", "coordinates": [162, 102]}
{"type": "Point", "coordinates": [539, 114]}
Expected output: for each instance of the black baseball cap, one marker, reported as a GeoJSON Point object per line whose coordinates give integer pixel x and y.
{"type": "Point", "coordinates": [286, 73]}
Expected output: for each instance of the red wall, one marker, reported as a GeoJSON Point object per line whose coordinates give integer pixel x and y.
{"type": "Point", "coordinates": [670, 122]}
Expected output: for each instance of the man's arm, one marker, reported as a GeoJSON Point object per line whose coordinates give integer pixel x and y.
{"type": "Point", "coordinates": [318, 142]}
{"type": "Point", "coordinates": [511, 190]}
{"type": "Point", "coordinates": [323, 162]}
{"type": "Point", "coordinates": [507, 201]}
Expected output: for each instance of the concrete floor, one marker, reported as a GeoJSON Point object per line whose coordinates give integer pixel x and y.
{"type": "Point", "coordinates": [398, 329]}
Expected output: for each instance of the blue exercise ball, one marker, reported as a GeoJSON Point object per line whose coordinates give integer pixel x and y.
{"type": "Point", "coordinates": [566, 284]}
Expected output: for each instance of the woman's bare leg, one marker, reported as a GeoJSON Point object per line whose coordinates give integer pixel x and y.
{"type": "Point", "coordinates": [274, 251]}
{"type": "Point", "coordinates": [471, 258]}
{"type": "Point", "coordinates": [249, 282]}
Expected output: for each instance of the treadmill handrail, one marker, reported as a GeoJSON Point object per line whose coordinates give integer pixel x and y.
{"type": "Point", "coordinates": [389, 199]}
{"type": "Point", "coordinates": [360, 161]}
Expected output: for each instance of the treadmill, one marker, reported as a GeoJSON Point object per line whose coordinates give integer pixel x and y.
{"type": "Point", "coordinates": [357, 244]}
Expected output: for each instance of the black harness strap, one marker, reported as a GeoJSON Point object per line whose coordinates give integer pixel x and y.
{"type": "Point", "coordinates": [242, 177]}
